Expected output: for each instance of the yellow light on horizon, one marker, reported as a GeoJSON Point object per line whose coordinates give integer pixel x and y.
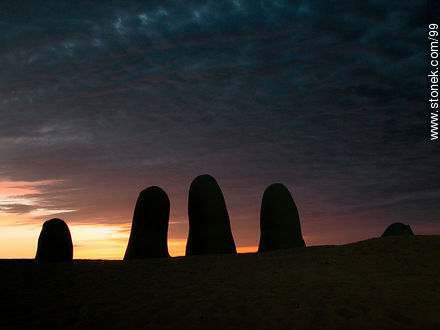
{"type": "Point", "coordinates": [247, 249]}
{"type": "Point", "coordinates": [90, 241]}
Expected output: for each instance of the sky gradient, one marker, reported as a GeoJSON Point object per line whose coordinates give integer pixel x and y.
{"type": "Point", "coordinates": [99, 101]}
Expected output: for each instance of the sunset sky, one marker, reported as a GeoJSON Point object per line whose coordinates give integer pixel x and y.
{"type": "Point", "coordinates": [99, 101]}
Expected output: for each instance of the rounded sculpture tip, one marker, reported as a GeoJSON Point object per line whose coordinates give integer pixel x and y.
{"type": "Point", "coordinates": [209, 225]}
{"type": "Point", "coordinates": [398, 229]}
{"type": "Point", "coordinates": [149, 230]}
{"type": "Point", "coordinates": [279, 220]}
{"type": "Point", "coordinates": [55, 242]}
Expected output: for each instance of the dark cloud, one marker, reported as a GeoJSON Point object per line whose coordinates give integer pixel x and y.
{"type": "Point", "coordinates": [326, 96]}
{"type": "Point", "coordinates": [16, 208]}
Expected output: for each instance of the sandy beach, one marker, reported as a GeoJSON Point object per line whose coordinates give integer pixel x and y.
{"type": "Point", "coordinates": [381, 283]}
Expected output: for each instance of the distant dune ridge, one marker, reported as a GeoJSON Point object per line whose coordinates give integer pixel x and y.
{"type": "Point", "coordinates": [398, 228]}
{"type": "Point", "coordinates": [149, 230]}
{"type": "Point", "coordinates": [55, 242]}
{"type": "Point", "coordinates": [209, 225]}
{"type": "Point", "coordinates": [279, 220]}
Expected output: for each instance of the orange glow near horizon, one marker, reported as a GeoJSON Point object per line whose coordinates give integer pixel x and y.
{"type": "Point", "coordinates": [19, 238]}
{"type": "Point", "coordinates": [247, 249]}
{"type": "Point", "coordinates": [91, 241]}
{"type": "Point", "coordinates": [97, 240]}
{"type": "Point", "coordinates": [19, 232]}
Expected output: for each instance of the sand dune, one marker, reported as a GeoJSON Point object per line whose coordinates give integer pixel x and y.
{"type": "Point", "coordinates": [382, 283]}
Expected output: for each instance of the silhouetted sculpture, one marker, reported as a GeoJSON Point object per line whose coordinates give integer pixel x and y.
{"type": "Point", "coordinates": [55, 242]}
{"type": "Point", "coordinates": [279, 220]}
{"type": "Point", "coordinates": [149, 230]}
{"type": "Point", "coordinates": [209, 226]}
{"type": "Point", "coordinates": [398, 229]}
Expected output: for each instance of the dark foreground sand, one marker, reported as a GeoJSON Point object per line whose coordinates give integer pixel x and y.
{"type": "Point", "coordinates": [382, 283]}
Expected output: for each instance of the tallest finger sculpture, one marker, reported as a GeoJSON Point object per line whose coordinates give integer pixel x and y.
{"type": "Point", "coordinates": [209, 226]}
